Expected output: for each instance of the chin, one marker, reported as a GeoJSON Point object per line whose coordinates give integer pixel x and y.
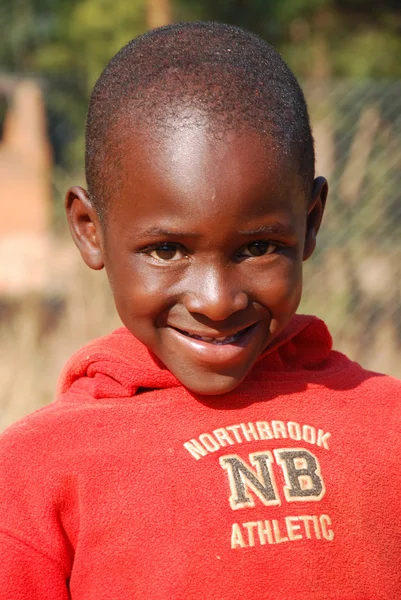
{"type": "Point", "coordinates": [212, 385]}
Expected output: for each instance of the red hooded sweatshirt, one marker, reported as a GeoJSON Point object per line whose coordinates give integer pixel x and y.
{"type": "Point", "coordinates": [130, 486]}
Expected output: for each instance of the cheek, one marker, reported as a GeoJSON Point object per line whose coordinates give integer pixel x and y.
{"type": "Point", "coordinates": [282, 294]}
{"type": "Point", "coordinates": [140, 294]}
{"type": "Point", "coordinates": [281, 288]}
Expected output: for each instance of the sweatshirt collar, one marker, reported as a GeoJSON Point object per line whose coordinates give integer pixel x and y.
{"type": "Point", "coordinates": [117, 365]}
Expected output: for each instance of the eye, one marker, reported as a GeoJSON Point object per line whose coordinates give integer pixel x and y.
{"type": "Point", "coordinates": [258, 248]}
{"type": "Point", "coordinates": [167, 252]}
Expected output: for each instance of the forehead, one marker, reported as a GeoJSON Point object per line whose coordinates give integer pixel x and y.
{"type": "Point", "coordinates": [188, 167]}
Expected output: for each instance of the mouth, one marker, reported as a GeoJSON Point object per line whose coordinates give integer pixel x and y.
{"type": "Point", "coordinates": [218, 340]}
{"type": "Point", "coordinates": [218, 351]}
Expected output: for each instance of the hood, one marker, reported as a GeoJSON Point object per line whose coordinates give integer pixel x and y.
{"type": "Point", "coordinates": [118, 365]}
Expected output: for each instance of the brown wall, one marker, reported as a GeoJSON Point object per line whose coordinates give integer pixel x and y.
{"type": "Point", "coordinates": [25, 164]}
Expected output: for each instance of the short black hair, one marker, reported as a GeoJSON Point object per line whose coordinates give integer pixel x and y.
{"type": "Point", "coordinates": [226, 72]}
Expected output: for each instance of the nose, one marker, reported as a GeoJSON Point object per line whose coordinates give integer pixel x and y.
{"type": "Point", "coordinates": [215, 294]}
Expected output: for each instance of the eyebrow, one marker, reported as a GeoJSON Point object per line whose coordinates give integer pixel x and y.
{"type": "Point", "coordinates": [272, 228]}
{"type": "Point", "coordinates": [158, 231]}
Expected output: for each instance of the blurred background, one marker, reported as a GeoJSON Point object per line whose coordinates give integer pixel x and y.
{"type": "Point", "coordinates": [346, 54]}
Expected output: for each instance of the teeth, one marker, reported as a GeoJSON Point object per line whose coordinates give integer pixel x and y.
{"type": "Point", "coordinates": [218, 340]}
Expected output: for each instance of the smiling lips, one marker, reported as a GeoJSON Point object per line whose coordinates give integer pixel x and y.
{"type": "Point", "coordinates": [217, 341]}
{"type": "Point", "coordinates": [218, 351]}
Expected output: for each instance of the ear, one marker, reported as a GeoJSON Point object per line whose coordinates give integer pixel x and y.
{"type": "Point", "coordinates": [316, 208]}
{"type": "Point", "coordinates": [85, 227]}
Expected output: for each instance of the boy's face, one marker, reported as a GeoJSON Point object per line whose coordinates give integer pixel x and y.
{"type": "Point", "coordinates": [203, 245]}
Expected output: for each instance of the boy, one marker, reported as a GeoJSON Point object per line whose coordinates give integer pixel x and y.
{"type": "Point", "coordinates": [216, 447]}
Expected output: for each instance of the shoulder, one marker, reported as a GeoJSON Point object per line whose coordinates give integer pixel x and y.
{"type": "Point", "coordinates": [42, 435]}
{"type": "Point", "coordinates": [374, 398]}
{"type": "Point", "coordinates": [383, 387]}
{"type": "Point", "coordinates": [380, 382]}
{"type": "Point", "coordinates": [345, 368]}
{"type": "Point", "coordinates": [35, 483]}
{"type": "Point", "coordinates": [30, 436]}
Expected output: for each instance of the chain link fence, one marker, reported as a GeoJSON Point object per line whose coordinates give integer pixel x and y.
{"type": "Point", "coordinates": [354, 278]}
{"type": "Point", "coordinates": [353, 281]}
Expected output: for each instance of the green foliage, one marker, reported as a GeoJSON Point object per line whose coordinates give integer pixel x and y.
{"type": "Point", "coordinates": [68, 42]}
{"type": "Point", "coordinates": [268, 18]}
{"type": "Point", "coordinates": [25, 25]}
{"type": "Point", "coordinates": [374, 55]}
{"type": "Point", "coordinates": [95, 31]}
{"type": "Point", "coordinates": [354, 38]}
